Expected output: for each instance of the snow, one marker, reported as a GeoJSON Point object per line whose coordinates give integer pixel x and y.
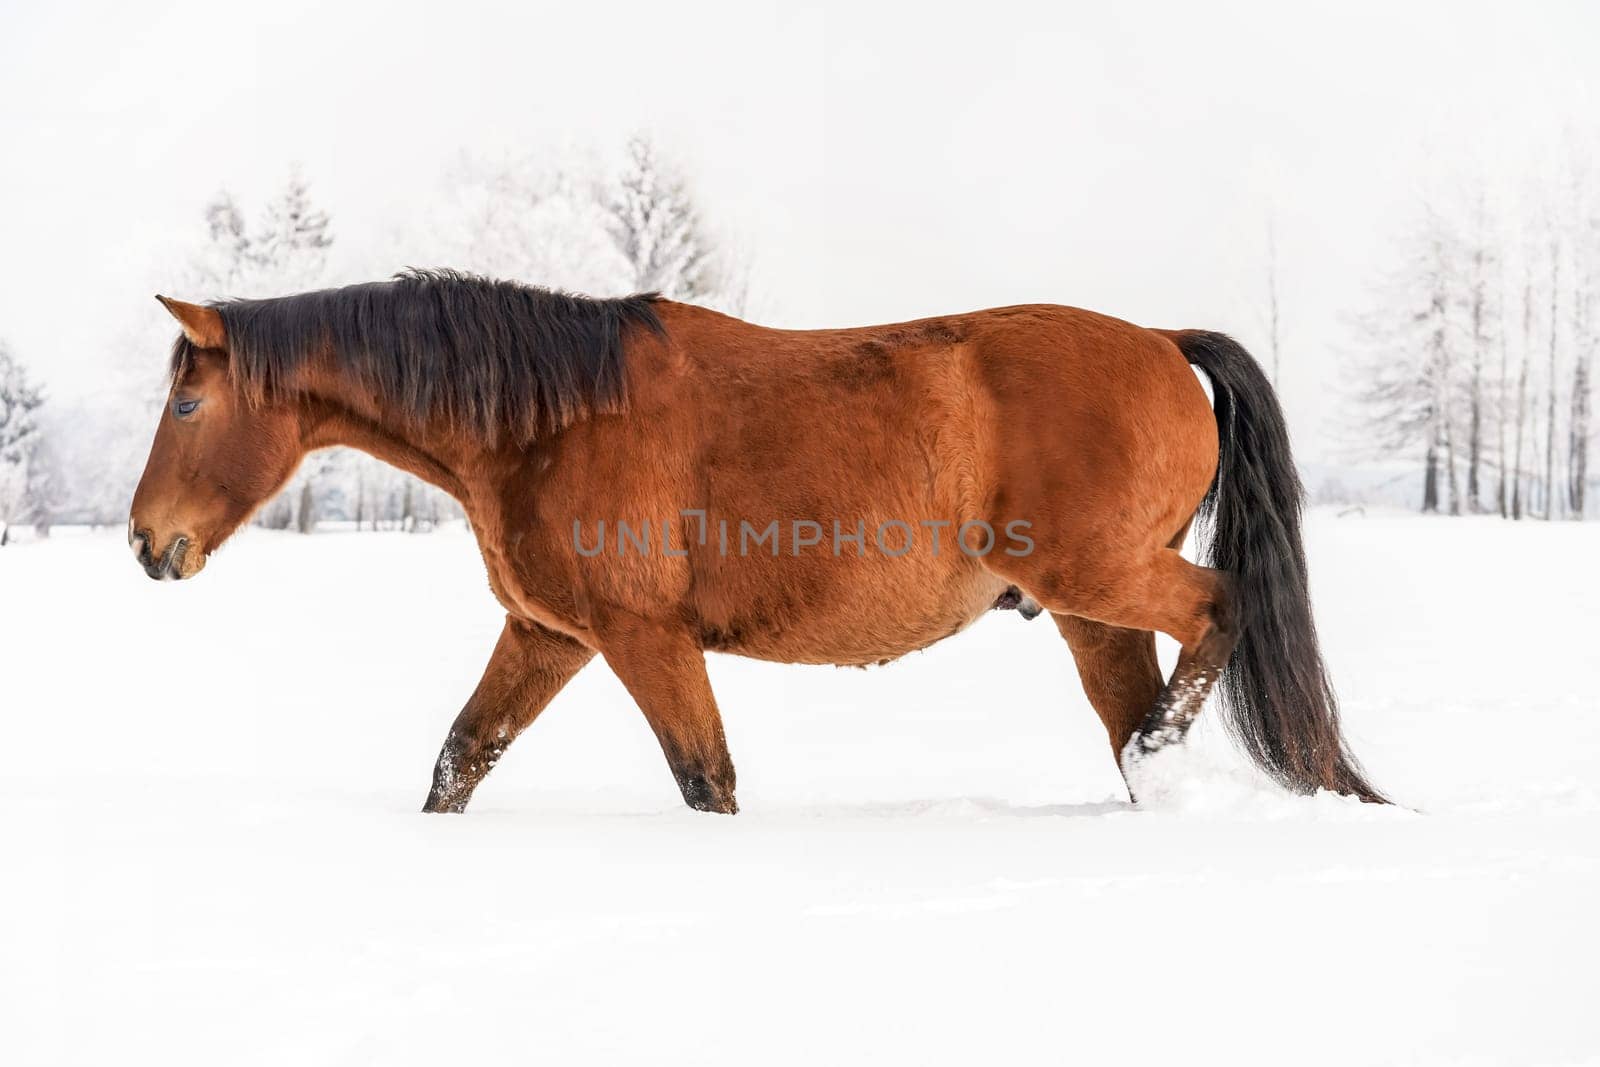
{"type": "Point", "coordinates": [213, 851]}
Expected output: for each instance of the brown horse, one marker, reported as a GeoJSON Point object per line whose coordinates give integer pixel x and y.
{"type": "Point", "coordinates": [648, 480]}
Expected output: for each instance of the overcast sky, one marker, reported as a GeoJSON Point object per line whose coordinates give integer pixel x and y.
{"type": "Point", "coordinates": [878, 164]}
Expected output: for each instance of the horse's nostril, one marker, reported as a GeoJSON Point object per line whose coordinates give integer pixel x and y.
{"type": "Point", "coordinates": [139, 541]}
{"type": "Point", "coordinates": [173, 563]}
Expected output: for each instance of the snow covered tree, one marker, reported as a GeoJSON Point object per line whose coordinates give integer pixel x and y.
{"type": "Point", "coordinates": [291, 245]}
{"type": "Point", "coordinates": [552, 220]}
{"type": "Point", "coordinates": [285, 252]}
{"type": "Point", "coordinates": [20, 400]}
{"type": "Point", "coordinates": [658, 229]}
{"type": "Point", "coordinates": [48, 482]}
{"type": "Point", "coordinates": [92, 447]}
{"type": "Point", "coordinates": [532, 219]}
{"type": "Point", "coordinates": [230, 245]}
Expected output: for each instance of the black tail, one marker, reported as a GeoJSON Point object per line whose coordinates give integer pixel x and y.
{"type": "Point", "coordinates": [1276, 697]}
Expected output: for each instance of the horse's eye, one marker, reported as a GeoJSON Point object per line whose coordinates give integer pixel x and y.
{"type": "Point", "coordinates": [184, 408]}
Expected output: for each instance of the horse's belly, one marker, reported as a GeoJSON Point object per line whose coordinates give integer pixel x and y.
{"type": "Point", "coordinates": [853, 623]}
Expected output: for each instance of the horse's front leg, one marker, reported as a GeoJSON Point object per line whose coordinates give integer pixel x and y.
{"type": "Point", "coordinates": [664, 668]}
{"type": "Point", "coordinates": [529, 666]}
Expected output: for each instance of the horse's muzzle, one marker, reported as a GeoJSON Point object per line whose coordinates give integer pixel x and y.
{"type": "Point", "coordinates": [166, 567]}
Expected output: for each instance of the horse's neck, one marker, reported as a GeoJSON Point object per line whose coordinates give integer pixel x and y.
{"type": "Point", "coordinates": [390, 439]}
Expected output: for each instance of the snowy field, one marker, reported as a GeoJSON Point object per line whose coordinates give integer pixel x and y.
{"type": "Point", "coordinates": [213, 852]}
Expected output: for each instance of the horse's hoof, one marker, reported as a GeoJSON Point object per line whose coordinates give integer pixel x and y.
{"type": "Point", "coordinates": [701, 795]}
{"type": "Point", "coordinates": [436, 805]}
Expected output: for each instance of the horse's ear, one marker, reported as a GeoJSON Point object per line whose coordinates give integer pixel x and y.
{"type": "Point", "coordinates": [201, 325]}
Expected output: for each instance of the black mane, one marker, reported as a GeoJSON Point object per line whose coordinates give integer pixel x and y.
{"type": "Point", "coordinates": [487, 357]}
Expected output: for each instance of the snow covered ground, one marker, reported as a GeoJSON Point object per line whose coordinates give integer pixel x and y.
{"type": "Point", "coordinates": [212, 852]}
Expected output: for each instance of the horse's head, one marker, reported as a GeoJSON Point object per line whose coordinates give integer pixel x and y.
{"type": "Point", "coordinates": [218, 454]}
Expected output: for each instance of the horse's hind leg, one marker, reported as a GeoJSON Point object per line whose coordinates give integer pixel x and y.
{"type": "Point", "coordinates": [1119, 672]}
{"type": "Point", "coordinates": [529, 667]}
{"type": "Point", "coordinates": [1158, 592]}
{"type": "Point", "coordinates": [1199, 666]}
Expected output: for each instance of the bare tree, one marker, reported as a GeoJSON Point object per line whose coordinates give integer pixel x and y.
{"type": "Point", "coordinates": [1481, 276]}
{"type": "Point", "coordinates": [1579, 435]}
{"type": "Point", "coordinates": [1502, 416]}
{"type": "Point", "coordinates": [1405, 396]}
{"type": "Point", "coordinates": [1586, 249]}
{"type": "Point", "coordinates": [1549, 495]}
{"type": "Point", "coordinates": [1517, 500]}
{"type": "Point", "coordinates": [1442, 380]}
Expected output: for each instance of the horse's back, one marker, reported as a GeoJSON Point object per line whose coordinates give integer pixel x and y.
{"type": "Point", "coordinates": [1102, 407]}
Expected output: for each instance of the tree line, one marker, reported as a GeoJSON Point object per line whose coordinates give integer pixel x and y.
{"type": "Point", "coordinates": [636, 229]}
{"type": "Point", "coordinates": [1475, 357]}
